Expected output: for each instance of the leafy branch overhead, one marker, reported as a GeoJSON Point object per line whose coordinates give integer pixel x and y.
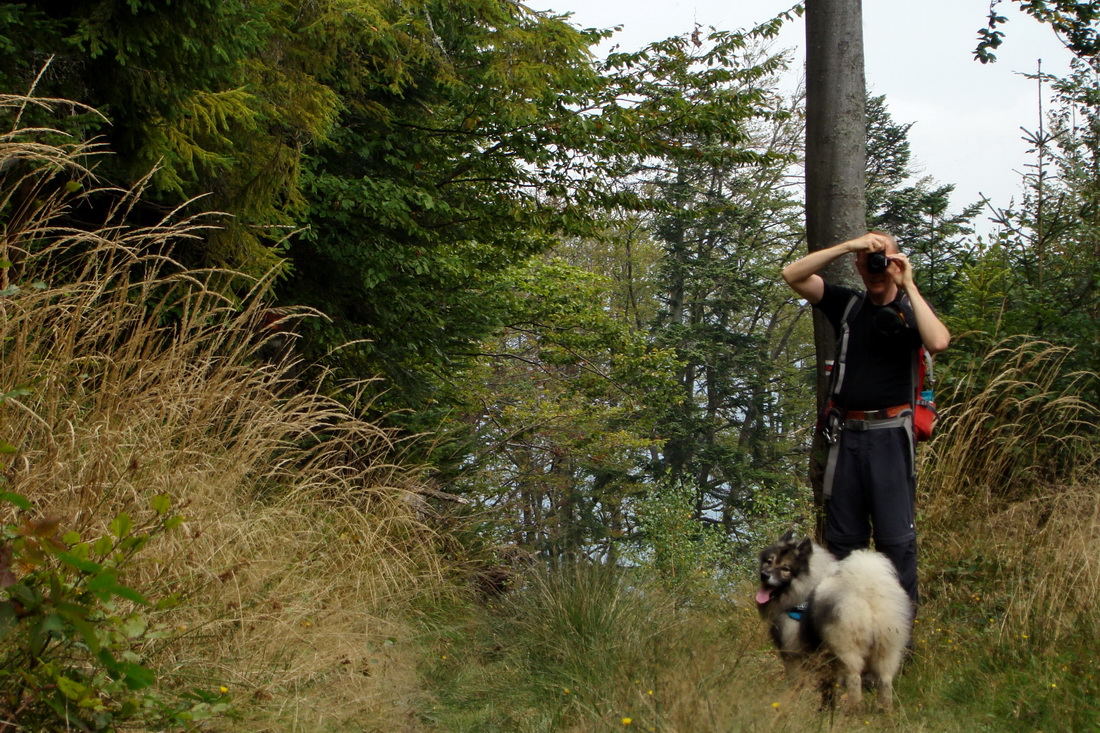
{"type": "Point", "coordinates": [1075, 23]}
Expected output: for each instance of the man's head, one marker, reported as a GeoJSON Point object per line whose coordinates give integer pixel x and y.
{"type": "Point", "coordinates": [878, 282]}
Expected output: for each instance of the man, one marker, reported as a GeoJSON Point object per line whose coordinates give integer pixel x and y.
{"type": "Point", "coordinates": [871, 480]}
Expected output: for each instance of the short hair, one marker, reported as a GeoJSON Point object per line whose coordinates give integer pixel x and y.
{"type": "Point", "coordinates": [891, 237]}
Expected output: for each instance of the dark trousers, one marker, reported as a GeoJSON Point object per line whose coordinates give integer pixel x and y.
{"type": "Point", "coordinates": [873, 495]}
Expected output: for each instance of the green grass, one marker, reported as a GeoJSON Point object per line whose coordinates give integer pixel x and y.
{"type": "Point", "coordinates": [589, 648]}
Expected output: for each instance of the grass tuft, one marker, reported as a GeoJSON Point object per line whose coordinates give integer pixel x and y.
{"type": "Point", "coordinates": [303, 546]}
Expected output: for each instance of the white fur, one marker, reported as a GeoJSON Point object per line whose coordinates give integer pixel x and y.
{"type": "Point", "coordinates": [860, 611]}
{"type": "Point", "coordinates": [868, 624]}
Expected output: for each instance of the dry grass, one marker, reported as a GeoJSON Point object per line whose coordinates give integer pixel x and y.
{"type": "Point", "coordinates": [1010, 486]}
{"type": "Point", "coordinates": [1015, 421]}
{"type": "Point", "coordinates": [302, 543]}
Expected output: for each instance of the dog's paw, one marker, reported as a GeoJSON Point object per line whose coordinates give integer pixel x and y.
{"type": "Point", "coordinates": [851, 702]}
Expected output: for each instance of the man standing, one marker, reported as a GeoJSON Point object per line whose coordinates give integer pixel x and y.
{"type": "Point", "coordinates": [870, 482]}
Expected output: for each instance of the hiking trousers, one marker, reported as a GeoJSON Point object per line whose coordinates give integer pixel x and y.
{"type": "Point", "coordinates": [872, 494]}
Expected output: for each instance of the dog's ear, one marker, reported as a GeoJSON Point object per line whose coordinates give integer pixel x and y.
{"type": "Point", "coordinates": [787, 537]}
{"type": "Point", "coordinates": [805, 547]}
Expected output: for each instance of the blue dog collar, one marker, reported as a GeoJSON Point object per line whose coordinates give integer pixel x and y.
{"type": "Point", "coordinates": [797, 612]}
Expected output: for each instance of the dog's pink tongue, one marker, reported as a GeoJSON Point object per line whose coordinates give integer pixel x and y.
{"type": "Point", "coordinates": [763, 595]}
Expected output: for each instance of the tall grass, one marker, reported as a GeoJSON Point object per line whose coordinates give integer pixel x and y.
{"type": "Point", "coordinates": [302, 543]}
{"type": "Point", "coordinates": [593, 648]}
{"type": "Point", "coordinates": [1010, 488]}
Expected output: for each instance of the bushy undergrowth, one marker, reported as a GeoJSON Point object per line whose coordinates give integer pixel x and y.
{"type": "Point", "coordinates": [300, 542]}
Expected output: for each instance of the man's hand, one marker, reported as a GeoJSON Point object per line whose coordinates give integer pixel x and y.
{"type": "Point", "coordinates": [869, 242]}
{"type": "Point", "coordinates": [902, 272]}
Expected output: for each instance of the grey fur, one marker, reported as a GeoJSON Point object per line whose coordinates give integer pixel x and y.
{"type": "Point", "coordinates": [857, 616]}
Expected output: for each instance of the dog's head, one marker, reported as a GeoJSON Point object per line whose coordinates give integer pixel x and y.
{"type": "Point", "coordinates": [780, 564]}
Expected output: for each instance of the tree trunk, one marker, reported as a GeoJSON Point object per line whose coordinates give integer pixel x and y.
{"type": "Point", "coordinates": [836, 152]}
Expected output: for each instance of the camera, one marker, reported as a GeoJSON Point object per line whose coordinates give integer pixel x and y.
{"type": "Point", "coordinates": [877, 262]}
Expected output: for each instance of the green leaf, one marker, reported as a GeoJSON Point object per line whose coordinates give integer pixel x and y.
{"type": "Point", "coordinates": [17, 392]}
{"type": "Point", "coordinates": [79, 563]}
{"type": "Point", "coordinates": [130, 594]}
{"type": "Point", "coordinates": [135, 626]}
{"type": "Point", "coordinates": [42, 629]}
{"type": "Point", "coordinates": [136, 676]}
{"type": "Point", "coordinates": [133, 542]}
{"type": "Point", "coordinates": [75, 615]}
{"type": "Point", "coordinates": [103, 582]}
{"type": "Point", "coordinates": [121, 525]}
{"type": "Point", "coordinates": [161, 503]}
{"type": "Point", "coordinates": [29, 598]}
{"type": "Point", "coordinates": [104, 545]}
{"type": "Point", "coordinates": [70, 689]}
{"type": "Point", "coordinates": [16, 499]}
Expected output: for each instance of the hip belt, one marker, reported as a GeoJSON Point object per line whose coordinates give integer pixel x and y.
{"type": "Point", "coordinates": [889, 417]}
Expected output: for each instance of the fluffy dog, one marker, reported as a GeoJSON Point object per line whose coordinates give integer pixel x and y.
{"type": "Point", "coordinates": [853, 612]}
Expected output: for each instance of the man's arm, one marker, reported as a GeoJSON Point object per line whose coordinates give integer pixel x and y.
{"type": "Point", "coordinates": [933, 333]}
{"type": "Point", "coordinates": [802, 275]}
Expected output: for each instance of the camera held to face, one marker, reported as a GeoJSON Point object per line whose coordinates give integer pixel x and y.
{"type": "Point", "coordinates": [877, 262]}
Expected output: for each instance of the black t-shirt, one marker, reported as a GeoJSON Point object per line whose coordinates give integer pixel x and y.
{"type": "Point", "coordinates": [879, 365]}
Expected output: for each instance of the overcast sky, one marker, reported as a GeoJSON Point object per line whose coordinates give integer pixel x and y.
{"type": "Point", "coordinates": [920, 55]}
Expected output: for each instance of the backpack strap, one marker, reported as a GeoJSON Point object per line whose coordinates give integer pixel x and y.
{"type": "Point", "coordinates": [922, 369]}
{"type": "Point", "coordinates": [918, 356]}
{"type": "Point", "coordinates": [829, 420]}
{"type": "Point", "coordinates": [839, 364]}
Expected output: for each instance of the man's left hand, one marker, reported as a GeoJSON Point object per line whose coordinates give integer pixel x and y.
{"type": "Point", "coordinates": [902, 271]}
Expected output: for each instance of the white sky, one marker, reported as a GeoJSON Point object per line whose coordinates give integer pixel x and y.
{"type": "Point", "coordinates": [920, 55]}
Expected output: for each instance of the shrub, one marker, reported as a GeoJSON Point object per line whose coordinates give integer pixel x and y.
{"type": "Point", "coordinates": [72, 634]}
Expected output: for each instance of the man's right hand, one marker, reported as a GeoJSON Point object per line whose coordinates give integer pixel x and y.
{"type": "Point", "coordinates": [869, 242]}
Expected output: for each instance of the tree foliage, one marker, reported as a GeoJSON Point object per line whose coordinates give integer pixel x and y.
{"type": "Point", "coordinates": [502, 136]}
{"type": "Point", "coordinates": [1075, 23]}
{"type": "Point", "coordinates": [219, 97]}
{"type": "Point", "coordinates": [1039, 274]}
{"type": "Point", "coordinates": [565, 403]}
{"type": "Point", "coordinates": [595, 398]}
{"type": "Point", "coordinates": [729, 435]}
